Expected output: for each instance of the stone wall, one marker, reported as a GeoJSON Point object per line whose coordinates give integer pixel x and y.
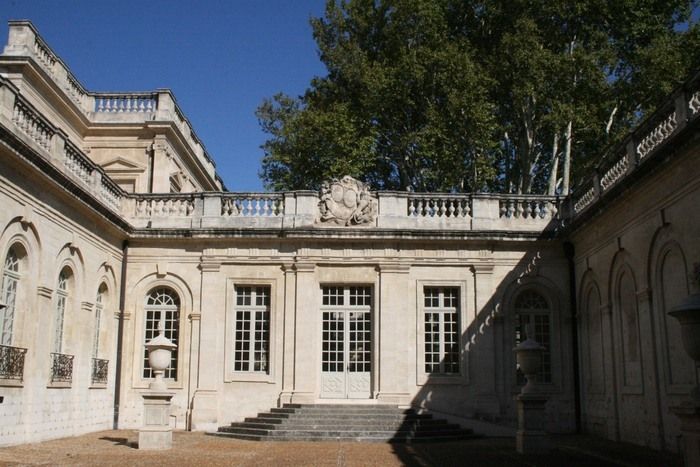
{"type": "Point", "coordinates": [633, 263]}
{"type": "Point", "coordinates": [49, 231]}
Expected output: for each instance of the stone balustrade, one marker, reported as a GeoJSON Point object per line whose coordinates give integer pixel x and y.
{"type": "Point", "coordinates": [252, 205]}
{"type": "Point", "coordinates": [51, 144]}
{"type": "Point", "coordinates": [653, 134]}
{"type": "Point", "coordinates": [32, 124]}
{"type": "Point", "coordinates": [417, 211]}
{"type": "Point", "coordinates": [300, 209]}
{"type": "Point", "coordinates": [658, 135]}
{"type": "Point", "coordinates": [126, 102]}
{"type": "Point", "coordinates": [615, 172]}
{"type": "Point", "coordinates": [77, 163]}
{"type": "Point", "coordinates": [25, 41]}
{"type": "Point", "coordinates": [166, 205]}
{"type": "Point", "coordinates": [439, 205]}
{"type": "Point", "coordinates": [527, 207]}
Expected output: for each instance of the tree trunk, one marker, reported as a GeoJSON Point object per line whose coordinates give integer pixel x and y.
{"type": "Point", "coordinates": [566, 169]}
{"type": "Point", "coordinates": [551, 190]}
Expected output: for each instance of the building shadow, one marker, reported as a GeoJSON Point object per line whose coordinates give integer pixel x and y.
{"type": "Point", "coordinates": [489, 377]}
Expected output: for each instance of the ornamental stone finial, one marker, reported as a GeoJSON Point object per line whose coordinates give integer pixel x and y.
{"type": "Point", "coordinates": [346, 202]}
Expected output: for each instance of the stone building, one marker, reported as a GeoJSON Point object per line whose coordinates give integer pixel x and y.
{"type": "Point", "coordinates": [113, 218]}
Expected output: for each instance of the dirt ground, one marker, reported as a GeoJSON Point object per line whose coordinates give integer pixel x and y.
{"type": "Point", "coordinates": [118, 448]}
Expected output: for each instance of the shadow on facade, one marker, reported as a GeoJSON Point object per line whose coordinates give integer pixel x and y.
{"type": "Point", "coordinates": [488, 381]}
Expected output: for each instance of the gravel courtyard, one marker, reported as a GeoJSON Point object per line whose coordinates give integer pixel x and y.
{"type": "Point", "coordinates": [117, 448]}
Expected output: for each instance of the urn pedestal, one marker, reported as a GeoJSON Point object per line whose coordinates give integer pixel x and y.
{"type": "Point", "coordinates": [531, 437]}
{"type": "Point", "coordinates": [688, 315]}
{"type": "Point", "coordinates": [156, 432]}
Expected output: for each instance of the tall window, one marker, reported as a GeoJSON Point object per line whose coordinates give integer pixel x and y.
{"type": "Point", "coordinates": [162, 307]}
{"type": "Point", "coordinates": [62, 294]}
{"type": "Point", "coordinates": [532, 314]}
{"type": "Point", "coordinates": [252, 336]}
{"type": "Point", "coordinates": [99, 307]}
{"type": "Point", "coordinates": [10, 281]}
{"type": "Point", "coordinates": [441, 330]}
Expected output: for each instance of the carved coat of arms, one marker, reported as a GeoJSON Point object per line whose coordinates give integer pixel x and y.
{"type": "Point", "coordinates": [347, 202]}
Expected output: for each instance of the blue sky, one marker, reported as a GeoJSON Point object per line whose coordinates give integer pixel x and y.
{"type": "Point", "coordinates": [220, 58]}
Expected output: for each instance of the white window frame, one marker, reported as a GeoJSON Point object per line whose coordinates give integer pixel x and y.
{"type": "Point", "coordinates": [62, 298]}
{"type": "Point", "coordinates": [423, 377]}
{"type": "Point", "coordinates": [230, 375]}
{"type": "Point", "coordinates": [10, 284]}
{"type": "Point", "coordinates": [176, 353]}
{"type": "Point", "coordinates": [257, 344]}
{"type": "Point", "coordinates": [554, 386]}
{"type": "Point", "coordinates": [99, 309]}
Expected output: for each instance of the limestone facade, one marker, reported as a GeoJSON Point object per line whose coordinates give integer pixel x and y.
{"type": "Point", "coordinates": [111, 203]}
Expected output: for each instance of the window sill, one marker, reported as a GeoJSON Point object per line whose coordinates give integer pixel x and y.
{"type": "Point", "coordinates": [11, 383]}
{"type": "Point", "coordinates": [242, 377]}
{"type": "Point", "coordinates": [97, 386]}
{"type": "Point", "coordinates": [170, 384]}
{"type": "Point", "coordinates": [543, 388]}
{"type": "Point", "coordinates": [59, 385]}
{"type": "Point", "coordinates": [427, 378]}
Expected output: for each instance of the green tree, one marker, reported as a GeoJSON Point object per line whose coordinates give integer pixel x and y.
{"type": "Point", "coordinates": [404, 106]}
{"type": "Point", "coordinates": [508, 95]}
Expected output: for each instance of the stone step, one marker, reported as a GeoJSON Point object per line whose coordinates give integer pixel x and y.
{"type": "Point", "coordinates": [386, 439]}
{"type": "Point", "coordinates": [262, 423]}
{"type": "Point", "coordinates": [317, 422]}
{"type": "Point", "coordinates": [344, 416]}
{"type": "Point", "coordinates": [352, 410]}
{"type": "Point", "coordinates": [366, 433]}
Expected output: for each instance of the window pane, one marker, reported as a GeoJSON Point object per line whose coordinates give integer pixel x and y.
{"type": "Point", "coordinates": [252, 329]}
{"type": "Point", "coordinates": [162, 305]}
{"type": "Point", "coordinates": [441, 330]}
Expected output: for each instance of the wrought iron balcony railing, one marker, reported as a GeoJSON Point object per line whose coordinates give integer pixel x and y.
{"type": "Point", "coordinates": [61, 368]}
{"type": "Point", "coordinates": [12, 362]}
{"type": "Point", "coordinates": [99, 371]}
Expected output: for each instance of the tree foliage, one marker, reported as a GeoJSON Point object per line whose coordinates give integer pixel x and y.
{"type": "Point", "coordinates": [450, 95]}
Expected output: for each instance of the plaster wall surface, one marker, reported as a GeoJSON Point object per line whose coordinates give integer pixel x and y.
{"type": "Point", "coordinates": [50, 230]}
{"type": "Point", "coordinates": [634, 262]}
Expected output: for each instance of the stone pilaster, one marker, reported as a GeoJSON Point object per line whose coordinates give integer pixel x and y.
{"type": "Point", "coordinates": [393, 333]}
{"type": "Point", "coordinates": [485, 347]}
{"type": "Point", "coordinates": [288, 329]}
{"type": "Point", "coordinates": [206, 343]}
{"type": "Point", "coordinates": [305, 334]}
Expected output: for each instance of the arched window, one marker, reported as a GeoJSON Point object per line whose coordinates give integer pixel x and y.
{"type": "Point", "coordinates": [62, 295]}
{"type": "Point", "coordinates": [592, 321]}
{"type": "Point", "coordinates": [99, 308]}
{"type": "Point", "coordinates": [162, 307]}
{"type": "Point", "coordinates": [626, 309]}
{"type": "Point", "coordinates": [532, 314]}
{"type": "Point", "coordinates": [10, 283]}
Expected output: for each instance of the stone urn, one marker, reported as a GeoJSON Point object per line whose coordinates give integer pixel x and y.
{"type": "Point", "coordinates": [528, 354]}
{"type": "Point", "coordinates": [160, 350]}
{"type": "Point", "coordinates": [688, 315]}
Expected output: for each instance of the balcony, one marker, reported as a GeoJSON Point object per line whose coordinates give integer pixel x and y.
{"type": "Point", "coordinates": [61, 368]}
{"type": "Point", "coordinates": [12, 363]}
{"type": "Point", "coordinates": [100, 369]}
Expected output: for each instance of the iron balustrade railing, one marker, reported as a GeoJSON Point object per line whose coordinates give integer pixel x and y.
{"type": "Point", "coordinates": [61, 368]}
{"type": "Point", "coordinates": [99, 370]}
{"type": "Point", "coordinates": [12, 362]}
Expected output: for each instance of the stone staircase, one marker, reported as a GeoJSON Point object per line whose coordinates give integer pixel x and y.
{"type": "Point", "coordinates": [336, 422]}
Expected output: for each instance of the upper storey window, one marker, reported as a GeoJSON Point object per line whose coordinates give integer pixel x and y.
{"type": "Point", "coordinates": [10, 282]}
